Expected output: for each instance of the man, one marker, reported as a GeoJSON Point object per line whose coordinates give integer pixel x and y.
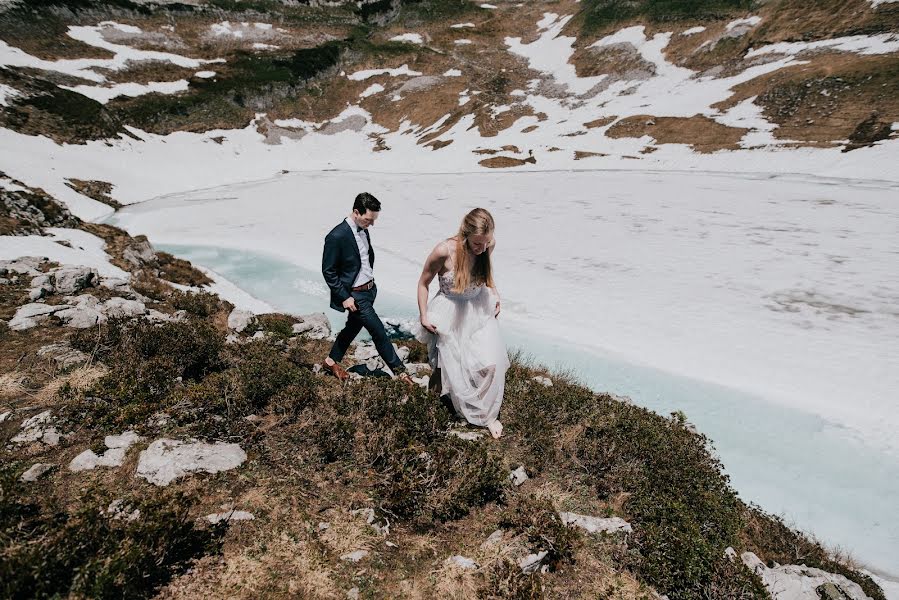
{"type": "Point", "coordinates": [348, 263]}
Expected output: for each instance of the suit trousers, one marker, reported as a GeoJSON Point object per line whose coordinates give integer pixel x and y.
{"type": "Point", "coordinates": [366, 317]}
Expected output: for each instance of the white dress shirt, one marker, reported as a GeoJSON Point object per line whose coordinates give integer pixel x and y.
{"type": "Point", "coordinates": [366, 273]}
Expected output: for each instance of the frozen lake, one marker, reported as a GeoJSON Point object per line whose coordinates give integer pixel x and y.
{"type": "Point", "coordinates": [765, 308]}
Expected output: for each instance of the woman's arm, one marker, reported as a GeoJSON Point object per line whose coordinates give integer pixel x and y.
{"type": "Point", "coordinates": [495, 291]}
{"type": "Point", "coordinates": [435, 261]}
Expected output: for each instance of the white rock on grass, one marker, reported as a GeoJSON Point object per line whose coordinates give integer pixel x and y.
{"type": "Point", "coordinates": [468, 436]}
{"type": "Point", "coordinates": [121, 307]}
{"type": "Point", "coordinates": [462, 561]}
{"type": "Point", "coordinates": [531, 562]}
{"type": "Point", "coordinates": [493, 539]}
{"type": "Point", "coordinates": [596, 524]}
{"type": "Point", "coordinates": [37, 429]}
{"type": "Point", "coordinates": [36, 471]}
{"type": "Point", "coordinates": [546, 381]}
{"type": "Point", "coordinates": [518, 476]}
{"type": "Point", "coordinates": [166, 460]}
{"type": "Point", "coordinates": [315, 326]}
{"type": "Point", "coordinates": [71, 280]}
{"type": "Point", "coordinates": [31, 315]}
{"type": "Point", "coordinates": [355, 556]}
{"type": "Point", "coordinates": [239, 319]}
{"type": "Point", "coordinates": [798, 582]}
{"type": "Point", "coordinates": [114, 456]}
{"type": "Point", "coordinates": [5, 415]}
{"type": "Point", "coordinates": [230, 515]}
{"type": "Point", "coordinates": [63, 355]}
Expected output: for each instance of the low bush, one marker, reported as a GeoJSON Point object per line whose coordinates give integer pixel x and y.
{"type": "Point", "coordinates": [681, 505]}
{"type": "Point", "coordinates": [279, 324]}
{"type": "Point", "coordinates": [540, 522]}
{"type": "Point", "coordinates": [178, 270]}
{"type": "Point", "coordinates": [200, 304]}
{"type": "Point", "coordinates": [84, 550]}
{"type": "Point", "coordinates": [600, 14]}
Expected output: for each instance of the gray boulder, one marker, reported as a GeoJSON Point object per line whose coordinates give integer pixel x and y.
{"type": "Point", "coordinates": [140, 252]}
{"type": "Point", "coordinates": [63, 355]}
{"type": "Point", "coordinates": [30, 315]}
{"type": "Point", "coordinates": [41, 287]}
{"type": "Point", "coordinates": [36, 472]}
{"type": "Point", "coordinates": [596, 524]}
{"type": "Point", "coordinates": [120, 307]}
{"type": "Point", "coordinates": [71, 280]}
{"type": "Point", "coordinates": [315, 326]}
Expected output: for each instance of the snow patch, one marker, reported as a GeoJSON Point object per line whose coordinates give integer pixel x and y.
{"type": "Point", "coordinates": [884, 43]}
{"type": "Point", "coordinates": [371, 90]}
{"type": "Point", "coordinates": [230, 515]}
{"type": "Point", "coordinates": [453, 73]}
{"type": "Point", "coordinates": [693, 30]}
{"type": "Point", "coordinates": [367, 74]}
{"type": "Point", "coordinates": [462, 42]}
{"type": "Point", "coordinates": [205, 74]}
{"type": "Point", "coordinates": [7, 93]}
{"type": "Point", "coordinates": [462, 25]}
{"type": "Point", "coordinates": [104, 94]}
{"type": "Point", "coordinates": [750, 21]}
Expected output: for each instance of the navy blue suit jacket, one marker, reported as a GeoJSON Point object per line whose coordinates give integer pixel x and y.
{"type": "Point", "coordinates": [341, 262]}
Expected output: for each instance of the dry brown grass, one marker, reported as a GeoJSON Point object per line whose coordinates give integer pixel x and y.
{"type": "Point", "coordinates": [12, 385]}
{"type": "Point", "coordinates": [700, 132]}
{"type": "Point", "coordinates": [277, 565]}
{"type": "Point", "coordinates": [79, 379]}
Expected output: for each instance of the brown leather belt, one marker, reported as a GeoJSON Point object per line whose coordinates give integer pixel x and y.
{"type": "Point", "coordinates": [365, 286]}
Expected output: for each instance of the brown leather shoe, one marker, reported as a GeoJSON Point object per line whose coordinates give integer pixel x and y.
{"type": "Point", "coordinates": [407, 379]}
{"type": "Point", "coordinates": [337, 371]}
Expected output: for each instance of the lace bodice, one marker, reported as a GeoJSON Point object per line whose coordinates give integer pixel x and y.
{"type": "Point", "coordinates": [448, 280]}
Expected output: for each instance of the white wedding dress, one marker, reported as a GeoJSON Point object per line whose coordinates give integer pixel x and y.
{"type": "Point", "coordinates": [468, 350]}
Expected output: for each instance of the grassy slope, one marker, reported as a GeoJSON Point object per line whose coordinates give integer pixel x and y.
{"type": "Point", "coordinates": [319, 450]}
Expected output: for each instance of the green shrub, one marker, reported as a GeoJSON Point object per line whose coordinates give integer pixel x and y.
{"type": "Point", "coordinates": [50, 551]}
{"type": "Point", "coordinates": [600, 14]}
{"type": "Point", "coordinates": [681, 505]}
{"type": "Point", "coordinates": [277, 323]}
{"type": "Point", "coordinates": [540, 522]}
{"type": "Point", "coordinates": [200, 304]}
{"type": "Point", "coordinates": [266, 372]}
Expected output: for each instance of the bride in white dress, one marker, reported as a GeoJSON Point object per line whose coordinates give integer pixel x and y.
{"type": "Point", "coordinates": [465, 349]}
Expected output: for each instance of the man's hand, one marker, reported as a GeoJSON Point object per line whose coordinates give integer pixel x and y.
{"type": "Point", "coordinates": [350, 304]}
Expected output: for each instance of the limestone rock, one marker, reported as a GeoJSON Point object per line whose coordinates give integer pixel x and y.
{"type": "Point", "coordinates": [63, 355]}
{"type": "Point", "coordinates": [24, 265]}
{"type": "Point", "coordinates": [468, 436]}
{"type": "Point", "coordinates": [139, 252]}
{"type": "Point", "coordinates": [545, 381]}
{"type": "Point", "coordinates": [239, 319]}
{"type": "Point", "coordinates": [30, 315]}
{"type": "Point", "coordinates": [81, 316]}
{"type": "Point", "coordinates": [355, 556]}
{"type": "Point", "coordinates": [118, 510]}
{"type": "Point", "coordinates": [315, 326]}
{"type": "Point", "coordinates": [120, 307]}
{"type": "Point", "coordinates": [531, 562]}
{"type": "Point", "coordinates": [230, 515]}
{"type": "Point", "coordinates": [117, 447]}
{"type": "Point", "coordinates": [36, 471]}
{"type": "Point", "coordinates": [493, 539]}
{"type": "Point", "coordinates": [166, 460]}
{"type": "Point", "coordinates": [41, 287]}
{"type": "Point", "coordinates": [37, 429]}
{"type": "Point", "coordinates": [596, 524]}
{"type": "Point", "coordinates": [462, 561]}
{"type": "Point", "coordinates": [71, 280]}
{"type": "Point", "coordinates": [798, 582]}
{"type": "Point", "coordinates": [518, 476]}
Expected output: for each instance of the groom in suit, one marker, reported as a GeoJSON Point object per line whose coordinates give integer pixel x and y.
{"type": "Point", "coordinates": [348, 263]}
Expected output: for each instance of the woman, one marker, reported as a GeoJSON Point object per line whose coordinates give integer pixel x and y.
{"type": "Point", "coordinates": [467, 354]}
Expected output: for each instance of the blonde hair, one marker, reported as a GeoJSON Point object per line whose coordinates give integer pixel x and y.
{"type": "Point", "coordinates": [477, 222]}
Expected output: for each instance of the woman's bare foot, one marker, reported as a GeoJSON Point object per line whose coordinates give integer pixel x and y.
{"type": "Point", "coordinates": [496, 429]}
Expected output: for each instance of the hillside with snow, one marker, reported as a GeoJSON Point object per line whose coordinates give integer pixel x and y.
{"type": "Point", "coordinates": [702, 189]}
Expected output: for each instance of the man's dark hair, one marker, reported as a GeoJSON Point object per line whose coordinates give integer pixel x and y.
{"type": "Point", "coordinates": [365, 202]}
